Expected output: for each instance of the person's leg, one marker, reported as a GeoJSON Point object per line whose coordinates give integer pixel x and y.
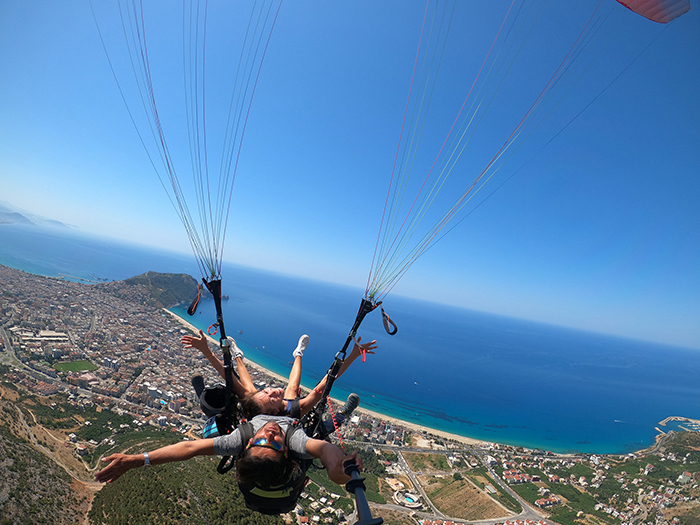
{"type": "Point", "coordinates": [245, 385]}
{"type": "Point", "coordinates": [292, 390]}
{"type": "Point", "coordinates": [246, 380]}
{"type": "Point", "coordinates": [341, 416]}
{"type": "Point", "coordinates": [308, 402]}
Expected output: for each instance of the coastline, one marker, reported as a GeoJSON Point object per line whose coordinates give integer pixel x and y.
{"type": "Point", "coordinates": [406, 424]}
{"type": "Point", "coordinates": [625, 428]}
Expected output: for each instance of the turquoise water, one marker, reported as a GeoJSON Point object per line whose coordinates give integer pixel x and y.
{"type": "Point", "coordinates": [474, 374]}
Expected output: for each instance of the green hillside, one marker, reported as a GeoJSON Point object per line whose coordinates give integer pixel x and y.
{"type": "Point", "coordinates": [190, 492]}
{"type": "Point", "coordinates": [33, 489]}
{"type": "Point", "coordinates": [167, 289]}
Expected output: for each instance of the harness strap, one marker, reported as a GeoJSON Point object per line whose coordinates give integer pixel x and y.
{"type": "Point", "coordinates": [294, 408]}
{"type": "Point", "coordinates": [291, 430]}
{"type": "Point", "coordinates": [247, 432]}
{"type": "Point", "coordinates": [389, 325]}
{"type": "Point", "coordinates": [312, 420]}
{"type": "Point", "coordinates": [195, 302]}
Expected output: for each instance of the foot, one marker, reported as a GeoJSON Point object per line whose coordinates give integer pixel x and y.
{"type": "Point", "coordinates": [301, 346]}
{"type": "Point", "coordinates": [351, 404]}
{"type": "Point", "coordinates": [329, 425]}
{"type": "Point", "coordinates": [198, 384]}
{"type": "Point", "coordinates": [235, 351]}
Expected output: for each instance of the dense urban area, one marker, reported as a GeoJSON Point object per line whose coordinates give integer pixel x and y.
{"type": "Point", "coordinates": [101, 363]}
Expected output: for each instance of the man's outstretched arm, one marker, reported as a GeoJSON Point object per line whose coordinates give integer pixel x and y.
{"type": "Point", "coordinates": [121, 463]}
{"type": "Point", "coordinates": [332, 458]}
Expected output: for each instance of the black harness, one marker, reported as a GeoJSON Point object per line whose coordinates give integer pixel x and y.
{"type": "Point", "coordinates": [282, 498]}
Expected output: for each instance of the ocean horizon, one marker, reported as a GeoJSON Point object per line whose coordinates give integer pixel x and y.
{"type": "Point", "coordinates": [474, 374]}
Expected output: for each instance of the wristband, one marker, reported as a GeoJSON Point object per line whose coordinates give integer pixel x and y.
{"type": "Point", "coordinates": [146, 460]}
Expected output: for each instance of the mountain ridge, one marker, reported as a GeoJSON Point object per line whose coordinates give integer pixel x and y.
{"type": "Point", "coordinates": [12, 215]}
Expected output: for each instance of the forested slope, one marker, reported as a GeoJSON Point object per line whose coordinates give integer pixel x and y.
{"type": "Point", "coordinates": [190, 492]}
{"type": "Point", "coordinates": [166, 289]}
{"type": "Point", "coordinates": [33, 489]}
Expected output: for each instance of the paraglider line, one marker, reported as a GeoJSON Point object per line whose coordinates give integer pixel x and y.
{"type": "Point", "coordinates": [396, 155]}
{"type": "Point", "coordinates": [245, 123]}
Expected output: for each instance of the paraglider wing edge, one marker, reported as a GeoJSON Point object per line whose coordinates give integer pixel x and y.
{"type": "Point", "coordinates": [662, 11]}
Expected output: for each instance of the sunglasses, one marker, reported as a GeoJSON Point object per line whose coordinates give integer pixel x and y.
{"type": "Point", "coordinates": [263, 442]}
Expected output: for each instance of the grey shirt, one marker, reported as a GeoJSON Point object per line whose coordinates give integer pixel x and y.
{"type": "Point", "coordinates": [230, 444]}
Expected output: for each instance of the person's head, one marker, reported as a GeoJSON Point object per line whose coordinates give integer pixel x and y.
{"type": "Point", "coordinates": [266, 401]}
{"type": "Point", "coordinates": [264, 460]}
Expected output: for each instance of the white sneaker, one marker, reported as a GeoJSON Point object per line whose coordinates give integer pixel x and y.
{"type": "Point", "coordinates": [235, 351]}
{"type": "Point", "coordinates": [301, 346]}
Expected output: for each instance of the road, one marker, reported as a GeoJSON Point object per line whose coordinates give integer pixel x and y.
{"type": "Point", "coordinates": [645, 512]}
{"type": "Point", "coordinates": [527, 513]}
{"type": "Point", "coordinates": [7, 356]}
{"type": "Point", "coordinates": [404, 465]}
{"type": "Point", "coordinates": [41, 448]}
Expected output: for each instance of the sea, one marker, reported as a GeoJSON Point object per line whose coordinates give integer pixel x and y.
{"type": "Point", "coordinates": [474, 374]}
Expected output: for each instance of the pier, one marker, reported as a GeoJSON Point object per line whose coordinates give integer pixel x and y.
{"type": "Point", "coordinates": [678, 418]}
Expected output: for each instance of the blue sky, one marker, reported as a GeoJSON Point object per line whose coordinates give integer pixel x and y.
{"type": "Point", "coordinates": [598, 231]}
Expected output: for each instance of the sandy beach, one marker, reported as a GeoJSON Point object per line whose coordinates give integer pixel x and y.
{"type": "Point", "coordinates": [410, 426]}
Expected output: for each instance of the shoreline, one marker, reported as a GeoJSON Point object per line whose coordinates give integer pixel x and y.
{"type": "Point", "coordinates": [400, 422]}
{"type": "Point", "coordinates": [414, 427]}
{"type": "Point", "coordinates": [632, 446]}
